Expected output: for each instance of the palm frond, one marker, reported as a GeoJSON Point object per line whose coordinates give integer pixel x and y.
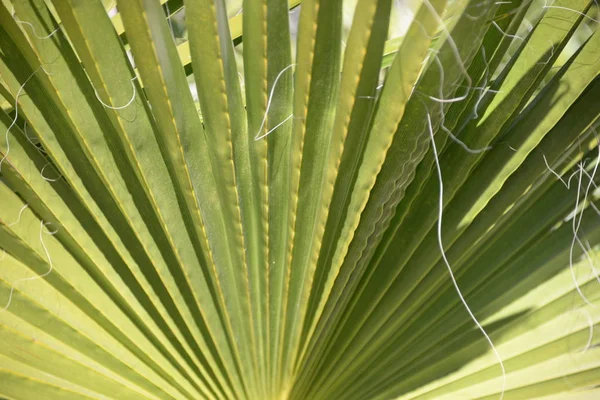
{"type": "Point", "coordinates": [210, 199]}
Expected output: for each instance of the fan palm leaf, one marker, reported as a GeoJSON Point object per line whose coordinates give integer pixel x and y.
{"type": "Point", "coordinates": [210, 199]}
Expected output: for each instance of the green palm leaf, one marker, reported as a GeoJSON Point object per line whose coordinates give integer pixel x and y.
{"type": "Point", "coordinates": [210, 199]}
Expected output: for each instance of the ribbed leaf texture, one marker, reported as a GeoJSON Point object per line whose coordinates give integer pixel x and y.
{"type": "Point", "coordinates": [316, 199]}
